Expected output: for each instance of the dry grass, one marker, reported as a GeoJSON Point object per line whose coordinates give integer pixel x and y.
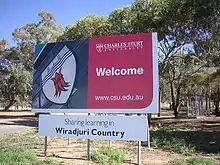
{"type": "Point", "coordinates": [76, 152]}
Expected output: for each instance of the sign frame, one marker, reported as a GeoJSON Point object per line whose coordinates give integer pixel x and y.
{"type": "Point", "coordinates": [152, 108]}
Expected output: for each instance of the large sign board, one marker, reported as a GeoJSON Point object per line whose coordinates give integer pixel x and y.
{"type": "Point", "coordinates": [114, 74]}
{"type": "Point", "coordinates": [94, 127]}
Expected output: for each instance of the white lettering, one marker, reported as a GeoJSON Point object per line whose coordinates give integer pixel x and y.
{"type": "Point", "coordinates": [108, 72]}
{"type": "Point", "coordinates": [117, 72]}
{"type": "Point", "coordinates": [100, 71]}
{"type": "Point", "coordinates": [132, 71]}
{"type": "Point", "coordinates": [120, 45]}
{"type": "Point", "coordinates": [140, 71]}
{"type": "Point", "coordinates": [123, 72]}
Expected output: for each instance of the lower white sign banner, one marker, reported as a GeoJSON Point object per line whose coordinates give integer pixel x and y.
{"type": "Point", "coordinates": [94, 127]}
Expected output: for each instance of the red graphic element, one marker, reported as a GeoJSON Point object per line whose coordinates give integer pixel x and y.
{"type": "Point", "coordinates": [126, 70]}
{"type": "Point", "coordinates": [59, 83]}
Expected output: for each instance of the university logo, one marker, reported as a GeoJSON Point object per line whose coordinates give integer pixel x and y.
{"type": "Point", "coordinates": [59, 76]}
{"type": "Point", "coordinates": [99, 47]}
{"type": "Point", "coordinates": [120, 46]}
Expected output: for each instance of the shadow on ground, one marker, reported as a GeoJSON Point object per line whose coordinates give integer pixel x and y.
{"type": "Point", "coordinates": [18, 119]}
{"type": "Point", "coordinates": [29, 123]}
{"type": "Point", "coordinates": [203, 142]}
{"type": "Point", "coordinates": [202, 134]}
{"type": "Point", "coordinates": [15, 117]}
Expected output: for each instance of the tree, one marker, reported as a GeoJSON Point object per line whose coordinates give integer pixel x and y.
{"type": "Point", "coordinates": [3, 44]}
{"type": "Point", "coordinates": [15, 86]}
{"type": "Point", "coordinates": [16, 73]}
{"type": "Point", "coordinates": [180, 24]}
{"type": "Point", "coordinates": [215, 95]}
{"type": "Point", "coordinates": [178, 70]}
{"type": "Point", "coordinates": [122, 21]}
{"type": "Point", "coordinates": [90, 26]}
{"type": "Point", "coordinates": [30, 34]}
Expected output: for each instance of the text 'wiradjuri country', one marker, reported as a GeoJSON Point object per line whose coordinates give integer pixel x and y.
{"type": "Point", "coordinates": [87, 132]}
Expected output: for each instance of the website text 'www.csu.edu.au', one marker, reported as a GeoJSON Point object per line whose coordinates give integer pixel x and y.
{"type": "Point", "coordinates": [124, 97]}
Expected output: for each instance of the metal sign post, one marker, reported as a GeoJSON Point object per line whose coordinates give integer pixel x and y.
{"type": "Point", "coordinates": [69, 141]}
{"type": "Point", "coordinates": [148, 139]}
{"type": "Point", "coordinates": [45, 146]}
{"type": "Point", "coordinates": [88, 147]}
{"type": "Point", "coordinates": [109, 143]}
{"type": "Point", "coordinates": [139, 153]}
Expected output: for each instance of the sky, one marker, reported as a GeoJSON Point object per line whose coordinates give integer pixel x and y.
{"type": "Point", "coordinates": [16, 13]}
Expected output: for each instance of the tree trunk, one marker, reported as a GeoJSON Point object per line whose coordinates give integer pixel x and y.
{"type": "Point", "coordinates": [11, 102]}
{"type": "Point", "coordinates": [172, 98]}
{"type": "Point", "coordinates": [176, 113]}
{"type": "Point", "coordinates": [175, 101]}
{"type": "Point", "coordinates": [206, 104]}
{"type": "Point", "coordinates": [177, 106]}
{"type": "Point", "coordinates": [217, 108]}
{"type": "Point", "coordinates": [159, 102]}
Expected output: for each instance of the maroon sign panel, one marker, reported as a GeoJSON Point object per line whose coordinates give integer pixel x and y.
{"type": "Point", "coordinates": [120, 72]}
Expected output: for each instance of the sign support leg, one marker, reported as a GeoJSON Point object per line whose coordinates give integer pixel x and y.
{"type": "Point", "coordinates": [45, 146]}
{"type": "Point", "coordinates": [69, 141]}
{"type": "Point", "coordinates": [109, 143]}
{"type": "Point", "coordinates": [88, 147]}
{"type": "Point", "coordinates": [88, 150]}
{"type": "Point", "coordinates": [139, 153]}
{"type": "Point", "coordinates": [148, 137]}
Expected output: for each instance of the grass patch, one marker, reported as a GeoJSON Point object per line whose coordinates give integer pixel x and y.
{"type": "Point", "coordinates": [20, 156]}
{"type": "Point", "coordinates": [172, 143]}
{"type": "Point", "coordinates": [200, 161]}
{"type": "Point", "coordinates": [193, 161]}
{"type": "Point", "coordinates": [17, 149]}
{"type": "Point", "coordinates": [178, 162]}
{"type": "Point", "coordinates": [108, 156]}
{"type": "Point", "coordinates": [177, 128]}
{"type": "Point", "coordinates": [186, 142]}
{"type": "Point", "coordinates": [26, 140]}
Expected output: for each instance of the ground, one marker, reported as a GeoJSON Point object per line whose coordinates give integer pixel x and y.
{"type": "Point", "coordinates": [171, 139]}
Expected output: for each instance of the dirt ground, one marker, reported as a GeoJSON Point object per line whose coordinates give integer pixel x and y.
{"type": "Point", "coordinates": [76, 152]}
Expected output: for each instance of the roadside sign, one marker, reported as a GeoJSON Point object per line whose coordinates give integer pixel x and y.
{"type": "Point", "coordinates": [113, 74]}
{"type": "Point", "coordinates": [94, 127]}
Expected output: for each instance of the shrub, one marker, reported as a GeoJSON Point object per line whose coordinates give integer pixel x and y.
{"type": "Point", "coordinates": [200, 161]}
{"type": "Point", "coordinates": [16, 156]}
{"type": "Point", "coordinates": [20, 156]}
{"type": "Point", "coordinates": [178, 162]}
{"type": "Point", "coordinates": [193, 161]}
{"type": "Point", "coordinates": [108, 156]}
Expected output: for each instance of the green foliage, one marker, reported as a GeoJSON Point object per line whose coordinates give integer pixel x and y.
{"type": "Point", "coordinates": [178, 162]}
{"type": "Point", "coordinates": [193, 161]}
{"type": "Point", "coordinates": [3, 44]}
{"type": "Point", "coordinates": [122, 21]}
{"type": "Point", "coordinates": [174, 144]}
{"type": "Point", "coordinates": [35, 33]}
{"type": "Point", "coordinates": [186, 142]}
{"type": "Point", "coordinates": [108, 156]}
{"type": "Point", "coordinates": [16, 156]}
{"type": "Point", "coordinates": [200, 161]}
{"type": "Point", "coordinates": [48, 161]}
{"type": "Point", "coordinates": [15, 86]}
{"type": "Point", "coordinates": [16, 79]}
{"type": "Point", "coordinates": [90, 26]}
{"type": "Point", "coordinates": [20, 156]}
